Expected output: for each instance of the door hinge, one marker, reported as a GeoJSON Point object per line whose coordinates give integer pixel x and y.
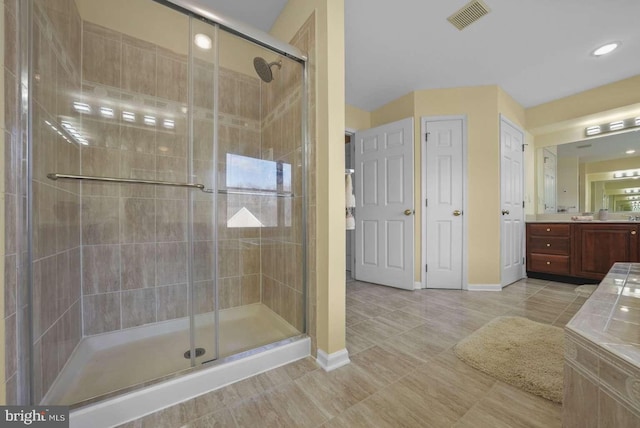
{"type": "Point", "coordinates": [426, 136]}
{"type": "Point", "coordinates": [523, 260]}
{"type": "Point", "coordinates": [425, 268]}
{"type": "Point", "coordinates": [426, 202]}
{"type": "Point", "coordinates": [522, 204]}
{"type": "Point", "coordinates": [523, 147]}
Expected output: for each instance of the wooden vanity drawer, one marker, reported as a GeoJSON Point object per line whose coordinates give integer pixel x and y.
{"type": "Point", "coordinates": [549, 263]}
{"type": "Point", "coordinates": [549, 229]}
{"type": "Point", "coordinates": [549, 245]}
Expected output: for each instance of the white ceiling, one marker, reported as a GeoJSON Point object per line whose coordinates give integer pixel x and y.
{"type": "Point", "coordinates": [260, 14]}
{"type": "Point", "coordinates": [537, 51]}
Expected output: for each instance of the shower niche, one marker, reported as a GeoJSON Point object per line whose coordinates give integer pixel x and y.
{"type": "Point", "coordinates": [167, 197]}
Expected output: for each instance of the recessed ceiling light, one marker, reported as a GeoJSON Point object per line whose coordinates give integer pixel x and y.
{"type": "Point", "coordinates": [605, 49]}
{"type": "Point", "coordinates": [202, 41]}
{"type": "Point", "coordinates": [630, 152]}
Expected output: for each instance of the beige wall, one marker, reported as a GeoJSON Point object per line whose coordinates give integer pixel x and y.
{"type": "Point", "coordinates": [564, 120]}
{"type": "Point", "coordinates": [328, 66]}
{"type": "Point", "coordinates": [481, 106]}
{"type": "Point", "coordinates": [591, 102]}
{"type": "Point", "coordinates": [613, 165]}
{"type": "Point", "coordinates": [356, 119]}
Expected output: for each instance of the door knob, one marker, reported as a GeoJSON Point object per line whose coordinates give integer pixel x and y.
{"type": "Point", "coordinates": [457, 213]}
{"type": "Point", "coordinates": [408, 212]}
{"type": "Point", "coordinates": [505, 212]}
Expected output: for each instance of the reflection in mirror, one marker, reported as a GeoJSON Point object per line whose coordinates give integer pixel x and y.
{"type": "Point", "coordinates": [590, 175]}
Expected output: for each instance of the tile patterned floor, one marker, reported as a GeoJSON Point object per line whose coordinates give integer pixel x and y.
{"type": "Point", "coordinates": [403, 372]}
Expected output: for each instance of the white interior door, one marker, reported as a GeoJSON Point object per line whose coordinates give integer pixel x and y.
{"type": "Point", "coordinates": [512, 212]}
{"type": "Point", "coordinates": [384, 204]}
{"type": "Point", "coordinates": [443, 165]}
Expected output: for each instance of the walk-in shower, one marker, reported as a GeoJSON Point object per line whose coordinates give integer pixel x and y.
{"type": "Point", "coordinates": [165, 205]}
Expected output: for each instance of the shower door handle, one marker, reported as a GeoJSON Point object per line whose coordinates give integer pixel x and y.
{"type": "Point", "coordinates": [55, 176]}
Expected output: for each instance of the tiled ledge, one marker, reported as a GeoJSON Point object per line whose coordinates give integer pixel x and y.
{"type": "Point", "coordinates": [602, 355]}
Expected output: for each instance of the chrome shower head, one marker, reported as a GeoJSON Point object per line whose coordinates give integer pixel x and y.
{"type": "Point", "coordinates": [263, 68]}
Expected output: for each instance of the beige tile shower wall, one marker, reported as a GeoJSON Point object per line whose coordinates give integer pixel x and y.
{"type": "Point", "coordinates": [135, 237]}
{"type": "Point", "coordinates": [239, 134]}
{"type": "Point", "coordinates": [56, 205]}
{"type": "Point", "coordinates": [282, 275]}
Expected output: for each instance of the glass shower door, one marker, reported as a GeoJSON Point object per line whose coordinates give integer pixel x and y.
{"type": "Point", "coordinates": [260, 193]}
{"type": "Point", "coordinates": [117, 272]}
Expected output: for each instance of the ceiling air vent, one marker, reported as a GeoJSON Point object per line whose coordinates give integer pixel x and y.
{"type": "Point", "coordinates": [469, 14]}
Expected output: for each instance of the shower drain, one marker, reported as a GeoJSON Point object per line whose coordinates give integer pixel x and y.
{"type": "Point", "coordinates": [199, 353]}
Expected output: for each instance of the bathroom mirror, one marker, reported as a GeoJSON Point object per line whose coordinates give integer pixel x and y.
{"type": "Point", "coordinates": [589, 175]}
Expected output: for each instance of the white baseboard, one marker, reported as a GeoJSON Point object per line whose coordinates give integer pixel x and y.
{"type": "Point", "coordinates": [333, 361]}
{"type": "Point", "coordinates": [484, 287]}
{"type": "Point", "coordinates": [417, 285]}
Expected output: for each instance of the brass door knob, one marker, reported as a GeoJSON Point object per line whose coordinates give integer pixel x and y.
{"type": "Point", "coordinates": [505, 212]}
{"type": "Point", "coordinates": [408, 212]}
{"type": "Point", "coordinates": [457, 213]}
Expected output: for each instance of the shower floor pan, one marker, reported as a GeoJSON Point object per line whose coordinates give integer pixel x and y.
{"type": "Point", "coordinates": [111, 363]}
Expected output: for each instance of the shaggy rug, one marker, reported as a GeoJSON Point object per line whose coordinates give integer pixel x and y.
{"type": "Point", "coordinates": [523, 353]}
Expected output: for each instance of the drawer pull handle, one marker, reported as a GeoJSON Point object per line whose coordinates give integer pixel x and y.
{"type": "Point", "coordinates": [548, 245]}
{"type": "Point", "coordinates": [548, 229]}
{"type": "Point", "coordinates": [548, 263]}
{"type": "Point", "coordinates": [633, 232]}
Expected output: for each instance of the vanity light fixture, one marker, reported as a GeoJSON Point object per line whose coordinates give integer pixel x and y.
{"type": "Point", "coordinates": [128, 116]}
{"type": "Point", "coordinates": [81, 107]}
{"type": "Point", "coordinates": [605, 49]}
{"type": "Point", "coordinates": [615, 126]}
{"type": "Point", "coordinates": [612, 126]}
{"type": "Point", "coordinates": [593, 130]}
{"type": "Point", "coordinates": [202, 41]}
{"type": "Point", "coordinates": [630, 152]}
{"type": "Point", "coordinates": [626, 174]}
{"type": "Point", "coordinates": [632, 191]}
{"type": "Point", "coordinates": [169, 124]}
{"type": "Point", "coordinates": [107, 112]}
{"type": "Point", "coordinates": [150, 120]}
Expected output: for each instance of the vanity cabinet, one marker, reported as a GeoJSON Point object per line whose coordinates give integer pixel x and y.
{"type": "Point", "coordinates": [598, 246]}
{"type": "Point", "coordinates": [549, 248]}
{"type": "Point", "coordinates": [580, 250]}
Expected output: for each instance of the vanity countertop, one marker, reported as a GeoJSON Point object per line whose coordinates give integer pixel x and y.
{"type": "Point", "coordinates": [610, 318]}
